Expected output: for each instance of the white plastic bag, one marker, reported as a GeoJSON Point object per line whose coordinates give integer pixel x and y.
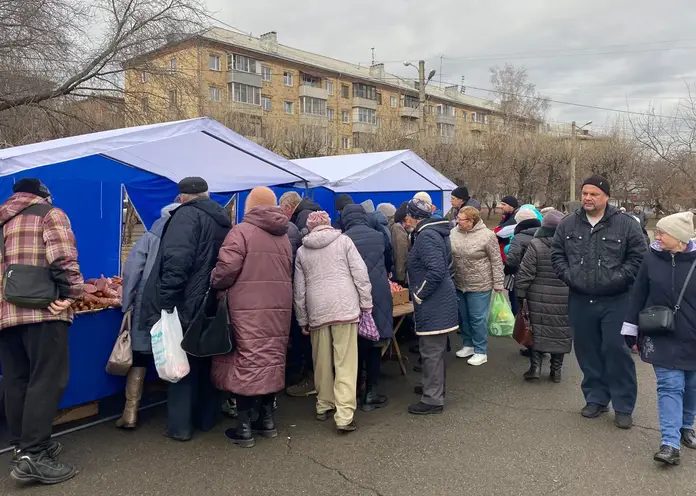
{"type": "Point", "coordinates": [170, 360]}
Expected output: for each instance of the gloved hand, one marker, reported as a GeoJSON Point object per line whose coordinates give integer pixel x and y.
{"type": "Point", "coordinates": [631, 341]}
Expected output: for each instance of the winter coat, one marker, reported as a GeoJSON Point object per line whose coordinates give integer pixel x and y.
{"type": "Point", "coordinates": [430, 281]}
{"type": "Point", "coordinates": [255, 268]}
{"type": "Point", "coordinates": [188, 252]}
{"type": "Point", "coordinates": [46, 241]}
{"type": "Point", "coordinates": [302, 211]}
{"type": "Point", "coordinates": [379, 222]}
{"type": "Point", "coordinates": [136, 272]}
{"type": "Point", "coordinates": [372, 246]}
{"type": "Point", "coordinates": [524, 233]}
{"type": "Point", "coordinates": [331, 284]}
{"type": "Point", "coordinates": [401, 243]}
{"type": "Point", "coordinates": [602, 260]}
{"type": "Point", "coordinates": [660, 279]}
{"type": "Point", "coordinates": [478, 266]}
{"type": "Point", "coordinates": [546, 295]}
{"type": "Point", "coordinates": [642, 218]}
{"type": "Point", "coordinates": [295, 238]}
{"type": "Point", "coordinates": [452, 214]}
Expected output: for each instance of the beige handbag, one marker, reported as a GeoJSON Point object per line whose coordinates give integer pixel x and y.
{"type": "Point", "coordinates": [121, 358]}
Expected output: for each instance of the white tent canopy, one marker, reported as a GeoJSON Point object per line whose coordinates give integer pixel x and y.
{"type": "Point", "coordinates": [197, 147]}
{"type": "Point", "coordinates": [400, 170]}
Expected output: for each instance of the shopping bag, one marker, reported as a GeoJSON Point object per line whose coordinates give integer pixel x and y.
{"type": "Point", "coordinates": [209, 333]}
{"type": "Point", "coordinates": [367, 328]}
{"type": "Point", "coordinates": [121, 358]}
{"type": "Point", "coordinates": [501, 321]}
{"type": "Point", "coordinates": [523, 327]}
{"type": "Point", "coordinates": [170, 359]}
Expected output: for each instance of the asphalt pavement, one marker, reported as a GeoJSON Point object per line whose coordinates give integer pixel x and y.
{"type": "Point", "coordinates": [497, 436]}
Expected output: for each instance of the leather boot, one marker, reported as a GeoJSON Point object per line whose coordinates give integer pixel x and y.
{"type": "Point", "coordinates": [265, 424]}
{"type": "Point", "coordinates": [372, 399]}
{"type": "Point", "coordinates": [242, 434]}
{"type": "Point", "coordinates": [534, 372]}
{"type": "Point", "coordinates": [134, 391]}
{"type": "Point", "coordinates": [556, 366]}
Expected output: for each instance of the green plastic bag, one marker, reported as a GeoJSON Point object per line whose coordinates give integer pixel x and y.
{"type": "Point", "coordinates": [501, 321]}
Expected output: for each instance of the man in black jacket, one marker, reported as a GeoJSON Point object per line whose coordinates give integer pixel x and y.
{"type": "Point", "coordinates": [597, 252]}
{"type": "Point", "coordinates": [297, 209]}
{"type": "Point", "coordinates": [180, 279]}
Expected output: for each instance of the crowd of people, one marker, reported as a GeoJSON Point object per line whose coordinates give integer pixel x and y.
{"type": "Point", "coordinates": [299, 286]}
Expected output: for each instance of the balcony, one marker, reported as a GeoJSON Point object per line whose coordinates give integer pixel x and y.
{"type": "Point", "coordinates": [410, 112]}
{"type": "Point", "coordinates": [364, 102]}
{"type": "Point", "coordinates": [248, 78]}
{"type": "Point", "coordinates": [313, 92]}
{"type": "Point", "coordinates": [314, 120]}
{"type": "Point", "coordinates": [478, 126]}
{"type": "Point", "coordinates": [363, 127]}
{"type": "Point", "coordinates": [445, 119]}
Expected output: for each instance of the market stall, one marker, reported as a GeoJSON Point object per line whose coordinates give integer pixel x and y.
{"type": "Point", "coordinates": [89, 177]}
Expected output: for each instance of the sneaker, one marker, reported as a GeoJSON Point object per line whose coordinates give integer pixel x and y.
{"type": "Point", "coordinates": [465, 352]}
{"type": "Point", "coordinates": [421, 408]}
{"type": "Point", "coordinates": [477, 360]}
{"type": "Point", "coordinates": [321, 417]}
{"type": "Point", "coordinates": [303, 389]}
{"type": "Point", "coordinates": [667, 455]}
{"type": "Point", "coordinates": [348, 427]}
{"type": "Point", "coordinates": [688, 438]}
{"type": "Point", "coordinates": [41, 468]}
{"type": "Point", "coordinates": [593, 410]}
{"type": "Point", "coordinates": [623, 420]}
{"type": "Point", "coordinates": [53, 450]}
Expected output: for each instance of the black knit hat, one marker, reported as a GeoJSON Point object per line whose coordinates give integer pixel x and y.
{"type": "Point", "coordinates": [193, 186]}
{"type": "Point", "coordinates": [32, 186]}
{"type": "Point", "coordinates": [599, 182]}
{"type": "Point", "coordinates": [401, 212]}
{"type": "Point", "coordinates": [461, 192]}
{"type": "Point", "coordinates": [511, 200]}
{"type": "Point", "coordinates": [342, 200]}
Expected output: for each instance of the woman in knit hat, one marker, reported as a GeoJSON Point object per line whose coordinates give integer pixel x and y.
{"type": "Point", "coordinates": [663, 275]}
{"type": "Point", "coordinates": [332, 288]}
{"type": "Point", "coordinates": [547, 300]}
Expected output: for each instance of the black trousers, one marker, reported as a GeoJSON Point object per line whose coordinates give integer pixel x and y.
{"type": "Point", "coordinates": [252, 403]}
{"type": "Point", "coordinates": [193, 402]}
{"type": "Point", "coordinates": [35, 369]}
{"type": "Point", "coordinates": [299, 360]}
{"type": "Point", "coordinates": [369, 361]}
{"type": "Point", "coordinates": [609, 372]}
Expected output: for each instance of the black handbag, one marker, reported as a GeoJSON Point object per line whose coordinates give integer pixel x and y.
{"type": "Point", "coordinates": [660, 320]}
{"type": "Point", "coordinates": [209, 333]}
{"type": "Point", "coordinates": [28, 286]}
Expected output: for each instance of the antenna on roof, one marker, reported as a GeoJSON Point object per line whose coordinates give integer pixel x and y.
{"type": "Point", "coordinates": [463, 88]}
{"type": "Point", "coordinates": [373, 55]}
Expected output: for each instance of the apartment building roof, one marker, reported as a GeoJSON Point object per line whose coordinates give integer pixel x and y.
{"type": "Point", "coordinates": [268, 44]}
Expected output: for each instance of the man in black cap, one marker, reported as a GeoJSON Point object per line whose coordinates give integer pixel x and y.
{"type": "Point", "coordinates": [460, 198]}
{"type": "Point", "coordinates": [341, 202]}
{"type": "Point", "coordinates": [597, 252]}
{"type": "Point", "coordinates": [188, 252]}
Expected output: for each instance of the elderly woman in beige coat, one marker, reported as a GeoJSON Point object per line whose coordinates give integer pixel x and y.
{"type": "Point", "coordinates": [478, 270]}
{"type": "Point", "coordinates": [332, 288]}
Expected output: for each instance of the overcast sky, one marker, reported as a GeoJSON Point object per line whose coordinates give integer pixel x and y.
{"type": "Point", "coordinates": [618, 54]}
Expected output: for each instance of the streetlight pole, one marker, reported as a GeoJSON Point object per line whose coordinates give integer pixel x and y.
{"type": "Point", "coordinates": [421, 94]}
{"type": "Point", "coordinates": [573, 160]}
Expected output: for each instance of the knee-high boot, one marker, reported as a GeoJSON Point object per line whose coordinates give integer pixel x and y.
{"type": "Point", "coordinates": [535, 361]}
{"type": "Point", "coordinates": [134, 391]}
{"type": "Point", "coordinates": [556, 366]}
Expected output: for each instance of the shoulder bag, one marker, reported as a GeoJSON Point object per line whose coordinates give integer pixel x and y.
{"type": "Point", "coordinates": [121, 358]}
{"type": "Point", "coordinates": [660, 320]}
{"type": "Point", "coordinates": [209, 332]}
{"type": "Point", "coordinates": [28, 286]}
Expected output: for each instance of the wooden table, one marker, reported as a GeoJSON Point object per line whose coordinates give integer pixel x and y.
{"type": "Point", "coordinates": [400, 312]}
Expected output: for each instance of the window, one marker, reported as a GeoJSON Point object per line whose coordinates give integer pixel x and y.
{"type": "Point", "coordinates": [289, 107]}
{"type": "Point", "coordinates": [173, 99]}
{"type": "Point", "coordinates": [344, 117]}
{"type": "Point", "coordinates": [364, 91]}
{"type": "Point", "coordinates": [145, 105]}
{"type": "Point", "coordinates": [356, 140]}
{"type": "Point", "coordinates": [266, 103]}
{"type": "Point", "coordinates": [379, 122]}
{"type": "Point", "coordinates": [172, 64]}
{"type": "Point", "coordinates": [379, 98]}
{"type": "Point", "coordinates": [345, 142]}
{"type": "Point", "coordinates": [479, 118]}
{"type": "Point", "coordinates": [392, 102]}
{"type": "Point", "coordinates": [447, 110]}
{"type": "Point", "coordinates": [287, 78]}
{"type": "Point", "coordinates": [411, 101]}
{"type": "Point", "coordinates": [244, 93]}
{"type": "Point", "coordinates": [367, 116]}
{"type": "Point", "coordinates": [265, 73]}
{"type": "Point", "coordinates": [309, 80]}
{"type": "Point", "coordinates": [428, 109]}
{"type": "Point", "coordinates": [445, 130]}
{"type": "Point", "coordinates": [144, 77]}
{"type": "Point", "coordinates": [241, 63]}
{"type": "Point", "coordinates": [329, 87]}
{"type": "Point", "coordinates": [345, 91]}
{"type": "Point", "coordinates": [312, 106]}
{"type": "Point", "coordinates": [330, 113]}
{"type": "Point", "coordinates": [214, 62]}
{"type": "Point", "coordinates": [214, 93]}
{"type": "Point", "coordinates": [464, 116]}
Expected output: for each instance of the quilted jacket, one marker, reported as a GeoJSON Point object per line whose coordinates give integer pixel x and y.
{"type": "Point", "coordinates": [331, 280]}
{"type": "Point", "coordinates": [478, 265]}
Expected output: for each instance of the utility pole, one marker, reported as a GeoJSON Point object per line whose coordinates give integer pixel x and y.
{"type": "Point", "coordinates": [573, 159]}
{"type": "Point", "coordinates": [421, 92]}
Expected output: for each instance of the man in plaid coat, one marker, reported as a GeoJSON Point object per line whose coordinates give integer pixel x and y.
{"type": "Point", "coordinates": [34, 342]}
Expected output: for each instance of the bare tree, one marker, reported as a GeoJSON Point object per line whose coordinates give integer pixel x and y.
{"type": "Point", "coordinates": [518, 102]}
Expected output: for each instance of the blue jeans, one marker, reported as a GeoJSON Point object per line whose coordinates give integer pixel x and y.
{"type": "Point", "coordinates": [676, 403]}
{"type": "Point", "coordinates": [473, 314]}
